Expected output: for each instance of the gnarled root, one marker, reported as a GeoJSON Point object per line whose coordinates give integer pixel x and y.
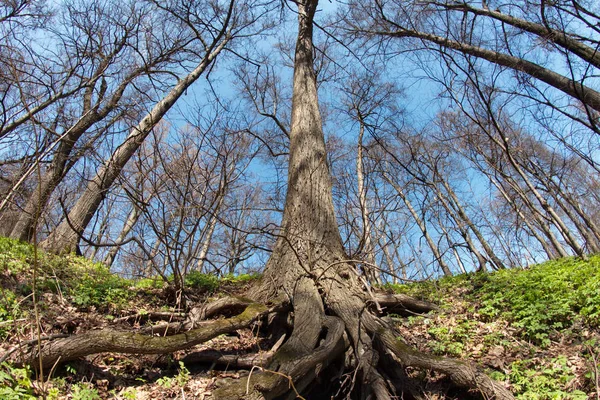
{"type": "Point", "coordinates": [221, 306]}
{"type": "Point", "coordinates": [462, 373]}
{"type": "Point", "coordinates": [317, 339]}
{"type": "Point", "coordinates": [330, 319]}
{"type": "Point", "coordinates": [109, 340]}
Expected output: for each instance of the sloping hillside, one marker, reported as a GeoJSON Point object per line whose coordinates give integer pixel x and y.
{"type": "Point", "coordinates": [537, 330]}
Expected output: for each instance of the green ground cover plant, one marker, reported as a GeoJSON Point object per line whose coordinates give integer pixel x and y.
{"type": "Point", "coordinates": [535, 318]}
{"type": "Point", "coordinates": [529, 327]}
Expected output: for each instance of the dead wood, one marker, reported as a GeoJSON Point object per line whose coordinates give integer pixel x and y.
{"type": "Point", "coordinates": [221, 306]}
{"type": "Point", "coordinates": [217, 307]}
{"type": "Point", "coordinates": [153, 315]}
{"type": "Point", "coordinates": [244, 361]}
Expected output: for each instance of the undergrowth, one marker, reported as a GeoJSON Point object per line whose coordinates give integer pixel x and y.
{"type": "Point", "coordinates": [72, 289]}
{"type": "Point", "coordinates": [539, 301]}
{"type": "Point", "coordinates": [85, 283]}
{"type": "Point", "coordinates": [523, 322]}
{"type": "Point", "coordinates": [522, 325]}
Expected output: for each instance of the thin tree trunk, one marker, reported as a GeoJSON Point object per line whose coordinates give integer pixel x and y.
{"type": "Point", "coordinates": [434, 249]}
{"type": "Point", "coordinates": [132, 219]}
{"type": "Point", "coordinates": [102, 230]}
{"type": "Point", "coordinates": [463, 215]}
{"type": "Point", "coordinates": [149, 267]}
{"type": "Point", "coordinates": [562, 227]}
{"type": "Point", "coordinates": [569, 211]}
{"type": "Point", "coordinates": [585, 225]}
{"type": "Point", "coordinates": [459, 261]}
{"type": "Point", "coordinates": [537, 214]}
{"type": "Point", "coordinates": [367, 242]}
{"type": "Point", "coordinates": [481, 260]}
{"type": "Point", "coordinates": [61, 162]}
{"type": "Point", "coordinates": [547, 249]}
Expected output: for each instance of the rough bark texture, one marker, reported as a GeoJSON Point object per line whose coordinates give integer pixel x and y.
{"type": "Point", "coordinates": [104, 340]}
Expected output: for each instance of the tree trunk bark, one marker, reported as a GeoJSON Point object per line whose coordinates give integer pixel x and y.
{"type": "Point", "coordinates": [556, 219]}
{"type": "Point", "coordinates": [560, 38]}
{"type": "Point", "coordinates": [550, 252]}
{"type": "Point", "coordinates": [62, 160]}
{"type": "Point", "coordinates": [368, 249]}
{"type": "Point", "coordinates": [481, 260]}
{"type": "Point", "coordinates": [132, 219]}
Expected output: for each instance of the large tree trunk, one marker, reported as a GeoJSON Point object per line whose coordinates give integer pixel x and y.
{"type": "Point", "coordinates": [308, 266]}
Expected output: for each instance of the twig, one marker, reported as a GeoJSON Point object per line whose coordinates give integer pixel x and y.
{"type": "Point", "coordinates": [596, 372]}
{"type": "Point", "coordinates": [12, 321]}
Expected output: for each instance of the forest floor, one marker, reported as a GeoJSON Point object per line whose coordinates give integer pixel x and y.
{"type": "Point", "coordinates": [536, 329]}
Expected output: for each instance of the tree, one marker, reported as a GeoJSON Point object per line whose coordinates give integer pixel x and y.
{"type": "Point", "coordinates": [452, 24]}
{"type": "Point", "coordinates": [526, 73]}
{"type": "Point", "coordinates": [310, 274]}
{"type": "Point", "coordinates": [106, 79]}
{"type": "Point", "coordinates": [226, 25]}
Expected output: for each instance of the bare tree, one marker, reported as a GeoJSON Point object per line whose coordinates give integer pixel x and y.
{"type": "Point", "coordinates": [228, 22]}
{"type": "Point", "coordinates": [105, 87]}
{"type": "Point", "coordinates": [455, 26]}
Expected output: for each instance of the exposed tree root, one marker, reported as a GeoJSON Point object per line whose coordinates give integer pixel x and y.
{"type": "Point", "coordinates": [403, 304]}
{"type": "Point", "coordinates": [246, 361]}
{"type": "Point", "coordinates": [332, 321]}
{"type": "Point", "coordinates": [221, 306]}
{"type": "Point", "coordinates": [330, 318]}
{"type": "Point", "coordinates": [462, 373]}
{"type": "Point", "coordinates": [335, 333]}
{"type": "Point", "coordinates": [108, 340]}
{"type": "Point", "coordinates": [153, 316]}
